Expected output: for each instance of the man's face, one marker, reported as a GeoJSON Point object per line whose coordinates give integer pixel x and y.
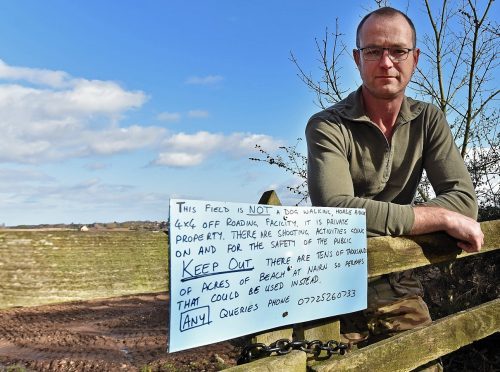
{"type": "Point", "coordinates": [383, 78]}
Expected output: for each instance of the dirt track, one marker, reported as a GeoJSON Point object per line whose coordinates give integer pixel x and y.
{"type": "Point", "coordinates": [121, 334]}
{"type": "Point", "coordinates": [130, 333]}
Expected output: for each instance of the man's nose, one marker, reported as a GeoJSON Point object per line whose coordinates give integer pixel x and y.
{"type": "Point", "coordinates": [385, 60]}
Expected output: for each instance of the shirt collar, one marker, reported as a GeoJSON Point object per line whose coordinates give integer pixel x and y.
{"type": "Point", "coordinates": [352, 108]}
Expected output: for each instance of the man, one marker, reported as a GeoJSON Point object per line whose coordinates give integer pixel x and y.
{"type": "Point", "coordinates": [369, 150]}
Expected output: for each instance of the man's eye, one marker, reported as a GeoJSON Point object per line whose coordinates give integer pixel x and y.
{"type": "Point", "coordinates": [398, 52]}
{"type": "Point", "coordinates": [372, 52]}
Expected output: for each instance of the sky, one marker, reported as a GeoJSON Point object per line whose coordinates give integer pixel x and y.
{"type": "Point", "coordinates": [110, 108]}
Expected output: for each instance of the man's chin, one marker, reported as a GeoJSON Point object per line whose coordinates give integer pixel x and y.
{"type": "Point", "coordinates": [386, 93]}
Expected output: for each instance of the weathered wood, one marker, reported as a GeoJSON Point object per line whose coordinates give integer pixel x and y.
{"type": "Point", "coordinates": [293, 362]}
{"type": "Point", "coordinates": [411, 349]}
{"type": "Point", "coordinates": [42, 267]}
{"type": "Point", "coordinates": [273, 335]}
{"type": "Point", "coordinates": [323, 330]}
{"type": "Point", "coordinates": [391, 254]}
{"type": "Point", "coordinates": [271, 198]}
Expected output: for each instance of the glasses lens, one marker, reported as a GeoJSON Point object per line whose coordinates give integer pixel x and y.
{"type": "Point", "coordinates": [398, 54]}
{"type": "Point", "coordinates": [395, 54]}
{"type": "Point", "coordinates": [372, 54]}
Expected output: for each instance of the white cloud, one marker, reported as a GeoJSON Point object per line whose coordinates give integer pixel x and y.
{"type": "Point", "coordinates": [180, 159]}
{"type": "Point", "coordinates": [115, 140]}
{"type": "Point", "coordinates": [98, 97]}
{"type": "Point", "coordinates": [204, 80]}
{"type": "Point", "coordinates": [186, 150]}
{"type": "Point", "coordinates": [198, 142]}
{"type": "Point", "coordinates": [65, 117]}
{"type": "Point", "coordinates": [169, 116]}
{"type": "Point", "coordinates": [51, 116]}
{"type": "Point", "coordinates": [176, 116]}
{"type": "Point", "coordinates": [63, 95]}
{"type": "Point", "coordinates": [11, 176]}
{"type": "Point", "coordinates": [34, 75]}
{"type": "Point", "coordinates": [88, 200]}
{"type": "Point", "coordinates": [244, 143]}
{"type": "Point", "coordinates": [198, 114]}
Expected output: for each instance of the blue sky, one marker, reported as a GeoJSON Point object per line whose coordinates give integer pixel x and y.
{"type": "Point", "coordinates": [110, 108]}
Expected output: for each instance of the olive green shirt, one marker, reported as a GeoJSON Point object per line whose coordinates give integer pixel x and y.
{"type": "Point", "coordinates": [351, 164]}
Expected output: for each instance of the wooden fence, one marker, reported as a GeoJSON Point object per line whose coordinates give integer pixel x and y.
{"type": "Point", "coordinates": [41, 267]}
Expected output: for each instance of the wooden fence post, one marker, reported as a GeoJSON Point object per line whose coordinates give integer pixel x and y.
{"type": "Point", "coordinates": [270, 198]}
{"type": "Point", "coordinates": [323, 330]}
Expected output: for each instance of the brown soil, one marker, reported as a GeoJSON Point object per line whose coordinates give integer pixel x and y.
{"type": "Point", "coordinates": [130, 333]}
{"type": "Point", "coordinates": [120, 334]}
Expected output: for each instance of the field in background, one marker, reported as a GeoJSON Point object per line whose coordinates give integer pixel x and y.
{"type": "Point", "coordinates": [46, 266]}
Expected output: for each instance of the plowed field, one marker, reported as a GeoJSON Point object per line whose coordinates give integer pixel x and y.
{"type": "Point", "coordinates": [127, 333]}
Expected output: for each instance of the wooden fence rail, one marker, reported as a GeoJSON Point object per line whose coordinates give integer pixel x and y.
{"type": "Point", "coordinates": [411, 349]}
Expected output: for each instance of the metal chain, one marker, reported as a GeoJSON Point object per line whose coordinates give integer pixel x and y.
{"type": "Point", "coordinates": [284, 346]}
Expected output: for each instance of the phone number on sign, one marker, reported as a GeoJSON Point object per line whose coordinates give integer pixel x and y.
{"type": "Point", "coordinates": [331, 296]}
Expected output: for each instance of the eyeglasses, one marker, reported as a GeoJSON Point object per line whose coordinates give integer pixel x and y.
{"type": "Point", "coordinates": [396, 54]}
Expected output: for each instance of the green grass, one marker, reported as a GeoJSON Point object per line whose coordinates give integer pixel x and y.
{"type": "Point", "coordinates": [14, 368]}
{"type": "Point", "coordinates": [39, 267]}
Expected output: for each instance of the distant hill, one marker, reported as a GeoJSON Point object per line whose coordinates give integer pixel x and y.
{"type": "Point", "coordinates": [128, 225]}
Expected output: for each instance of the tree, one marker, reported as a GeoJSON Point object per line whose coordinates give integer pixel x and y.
{"type": "Point", "coordinates": [462, 60]}
{"type": "Point", "coordinates": [328, 89]}
{"type": "Point", "coordinates": [458, 65]}
{"type": "Point", "coordinates": [292, 161]}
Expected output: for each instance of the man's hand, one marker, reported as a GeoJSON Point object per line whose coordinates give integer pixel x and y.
{"type": "Point", "coordinates": [465, 229]}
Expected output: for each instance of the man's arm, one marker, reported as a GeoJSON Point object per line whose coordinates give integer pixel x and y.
{"type": "Point", "coordinates": [445, 167]}
{"type": "Point", "coordinates": [454, 209]}
{"type": "Point", "coordinates": [465, 229]}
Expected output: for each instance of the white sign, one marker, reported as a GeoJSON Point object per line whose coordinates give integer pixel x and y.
{"type": "Point", "coordinates": [237, 269]}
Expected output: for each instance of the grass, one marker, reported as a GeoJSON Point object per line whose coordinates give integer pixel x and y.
{"type": "Point", "coordinates": [13, 368]}
{"type": "Point", "coordinates": [41, 267]}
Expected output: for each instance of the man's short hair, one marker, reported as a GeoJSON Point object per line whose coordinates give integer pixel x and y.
{"type": "Point", "coordinates": [386, 11]}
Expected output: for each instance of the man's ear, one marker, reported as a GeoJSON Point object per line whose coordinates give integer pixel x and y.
{"type": "Point", "coordinates": [416, 55]}
{"type": "Point", "coordinates": [355, 54]}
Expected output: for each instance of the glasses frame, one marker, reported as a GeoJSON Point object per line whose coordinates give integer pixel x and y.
{"type": "Point", "coordinates": [391, 57]}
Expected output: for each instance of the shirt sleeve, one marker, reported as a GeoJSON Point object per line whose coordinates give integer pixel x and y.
{"type": "Point", "coordinates": [330, 182]}
{"type": "Point", "coordinates": [446, 169]}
